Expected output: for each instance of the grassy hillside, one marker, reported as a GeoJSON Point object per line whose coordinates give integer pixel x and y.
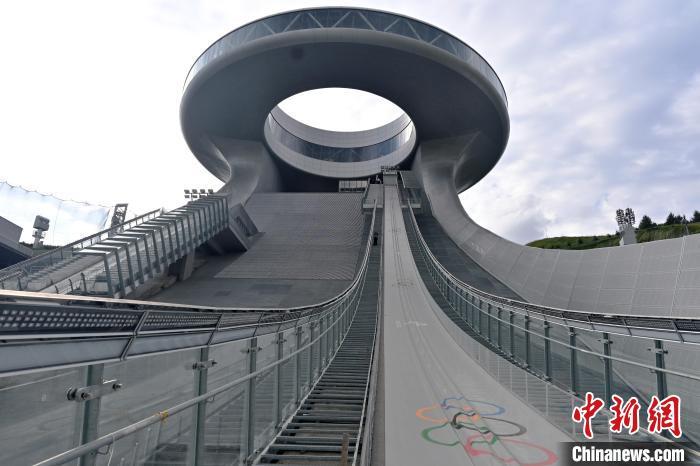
{"type": "Point", "coordinates": [604, 241]}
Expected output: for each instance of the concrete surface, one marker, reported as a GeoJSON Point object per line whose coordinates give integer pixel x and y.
{"type": "Point", "coordinates": [429, 380]}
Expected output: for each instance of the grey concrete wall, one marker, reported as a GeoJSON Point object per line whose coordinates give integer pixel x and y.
{"type": "Point", "coordinates": [330, 169]}
{"type": "Point", "coordinates": [444, 92]}
{"type": "Point", "coordinates": [659, 278]}
{"type": "Point", "coordinates": [340, 138]}
{"type": "Point", "coordinates": [9, 232]}
{"type": "Point", "coordinates": [251, 168]}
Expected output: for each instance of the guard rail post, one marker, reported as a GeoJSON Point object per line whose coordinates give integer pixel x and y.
{"type": "Point", "coordinates": [573, 368]}
{"type": "Point", "coordinates": [201, 376]}
{"type": "Point", "coordinates": [120, 275]}
{"type": "Point", "coordinates": [547, 352]}
{"type": "Point", "coordinates": [108, 277]}
{"type": "Point", "coordinates": [607, 367]}
{"type": "Point", "coordinates": [91, 414]}
{"type": "Point", "coordinates": [312, 347]}
{"type": "Point", "coordinates": [329, 334]}
{"type": "Point", "coordinates": [526, 321]}
{"type": "Point", "coordinates": [661, 386]}
{"type": "Point", "coordinates": [499, 322]}
{"type": "Point", "coordinates": [511, 336]}
{"type": "Point", "coordinates": [346, 316]}
{"type": "Point", "coordinates": [488, 322]}
{"type": "Point", "coordinates": [248, 443]}
{"type": "Point", "coordinates": [298, 333]}
{"type": "Point", "coordinates": [277, 401]}
{"type": "Point", "coordinates": [322, 353]}
{"type": "Point", "coordinates": [334, 328]}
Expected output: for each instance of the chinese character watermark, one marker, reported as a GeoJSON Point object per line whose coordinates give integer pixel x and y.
{"type": "Point", "coordinates": [662, 414]}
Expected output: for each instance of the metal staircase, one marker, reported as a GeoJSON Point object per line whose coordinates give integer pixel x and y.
{"type": "Point", "coordinates": [326, 427]}
{"type": "Point", "coordinates": [116, 261]}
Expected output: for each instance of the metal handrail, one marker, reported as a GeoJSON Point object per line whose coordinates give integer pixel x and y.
{"type": "Point", "coordinates": [624, 324]}
{"type": "Point", "coordinates": [131, 304]}
{"type": "Point", "coordinates": [203, 319]}
{"type": "Point", "coordinates": [364, 436]}
{"type": "Point", "coordinates": [111, 438]}
{"type": "Point", "coordinates": [552, 339]}
{"type": "Point", "coordinates": [112, 303]}
{"type": "Point", "coordinates": [11, 271]}
{"type": "Point", "coordinates": [487, 342]}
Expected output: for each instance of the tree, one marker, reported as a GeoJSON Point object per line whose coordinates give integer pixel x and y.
{"type": "Point", "coordinates": [671, 219]}
{"type": "Point", "coordinates": [696, 216]}
{"type": "Point", "coordinates": [645, 223]}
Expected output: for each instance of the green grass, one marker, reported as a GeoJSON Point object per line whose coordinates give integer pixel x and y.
{"type": "Point", "coordinates": [604, 241]}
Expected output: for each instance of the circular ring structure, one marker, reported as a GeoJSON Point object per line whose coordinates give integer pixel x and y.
{"type": "Point", "coordinates": [450, 94]}
{"type": "Point", "coordinates": [334, 154]}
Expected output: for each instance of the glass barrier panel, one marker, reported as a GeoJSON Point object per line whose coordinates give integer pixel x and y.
{"type": "Point", "coordinates": [630, 380]}
{"type": "Point", "coordinates": [505, 332]}
{"type": "Point", "coordinates": [287, 373]}
{"type": "Point", "coordinates": [689, 392]}
{"type": "Point", "coordinates": [519, 338]}
{"type": "Point", "coordinates": [38, 419]}
{"type": "Point", "coordinates": [590, 368]}
{"type": "Point", "coordinates": [560, 356]}
{"type": "Point", "coordinates": [305, 359]}
{"type": "Point", "coordinates": [265, 388]}
{"type": "Point", "coordinates": [230, 364]}
{"type": "Point", "coordinates": [225, 426]}
{"type": "Point", "coordinates": [151, 384]}
{"type": "Point", "coordinates": [165, 442]}
{"type": "Point", "coordinates": [537, 354]}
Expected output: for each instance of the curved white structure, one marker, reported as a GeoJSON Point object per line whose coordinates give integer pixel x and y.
{"type": "Point", "coordinates": [454, 131]}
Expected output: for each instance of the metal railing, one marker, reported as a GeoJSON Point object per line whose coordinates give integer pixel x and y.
{"type": "Point", "coordinates": [369, 408]}
{"type": "Point", "coordinates": [221, 378]}
{"type": "Point", "coordinates": [116, 261]}
{"type": "Point", "coordinates": [549, 357]}
{"type": "Point", "coordinates": [15, 276]}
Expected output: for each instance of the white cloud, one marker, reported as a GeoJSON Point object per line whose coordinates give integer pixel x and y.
{"type": "Point", "coordinates": [603, 102]}
{"type": "Point", "coordinates": [683, 116]}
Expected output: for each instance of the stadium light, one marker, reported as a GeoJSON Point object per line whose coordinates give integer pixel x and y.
{"type": "Point", "coordinates": [197, 193]}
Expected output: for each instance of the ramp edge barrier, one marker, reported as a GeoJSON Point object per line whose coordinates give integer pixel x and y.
{"type": "Point", "coordinates": [73, 325]}
{"type": "Point", "coordinates": [485, 316]}
{"type": "Point", "coordinates": [161, 416]}
{"type": "Point", "coordinates": [334, 317]}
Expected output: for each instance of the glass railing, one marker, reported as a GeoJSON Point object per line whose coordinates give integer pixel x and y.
{"type": "Point", "coordinates": [551, 357]}
{"type": "Point", "coordinates": [353, 18]}
{"type": "Point", "coordinates": [338, 154]}
{"type": "Point", "coordinates": [159, 383]}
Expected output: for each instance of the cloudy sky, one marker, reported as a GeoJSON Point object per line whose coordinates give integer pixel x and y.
{"type": "Point", "coordinates": [604, 99]}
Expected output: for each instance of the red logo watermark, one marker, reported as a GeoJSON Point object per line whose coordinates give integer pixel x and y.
{"type": "Point", "coordinates": [662, 415]}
